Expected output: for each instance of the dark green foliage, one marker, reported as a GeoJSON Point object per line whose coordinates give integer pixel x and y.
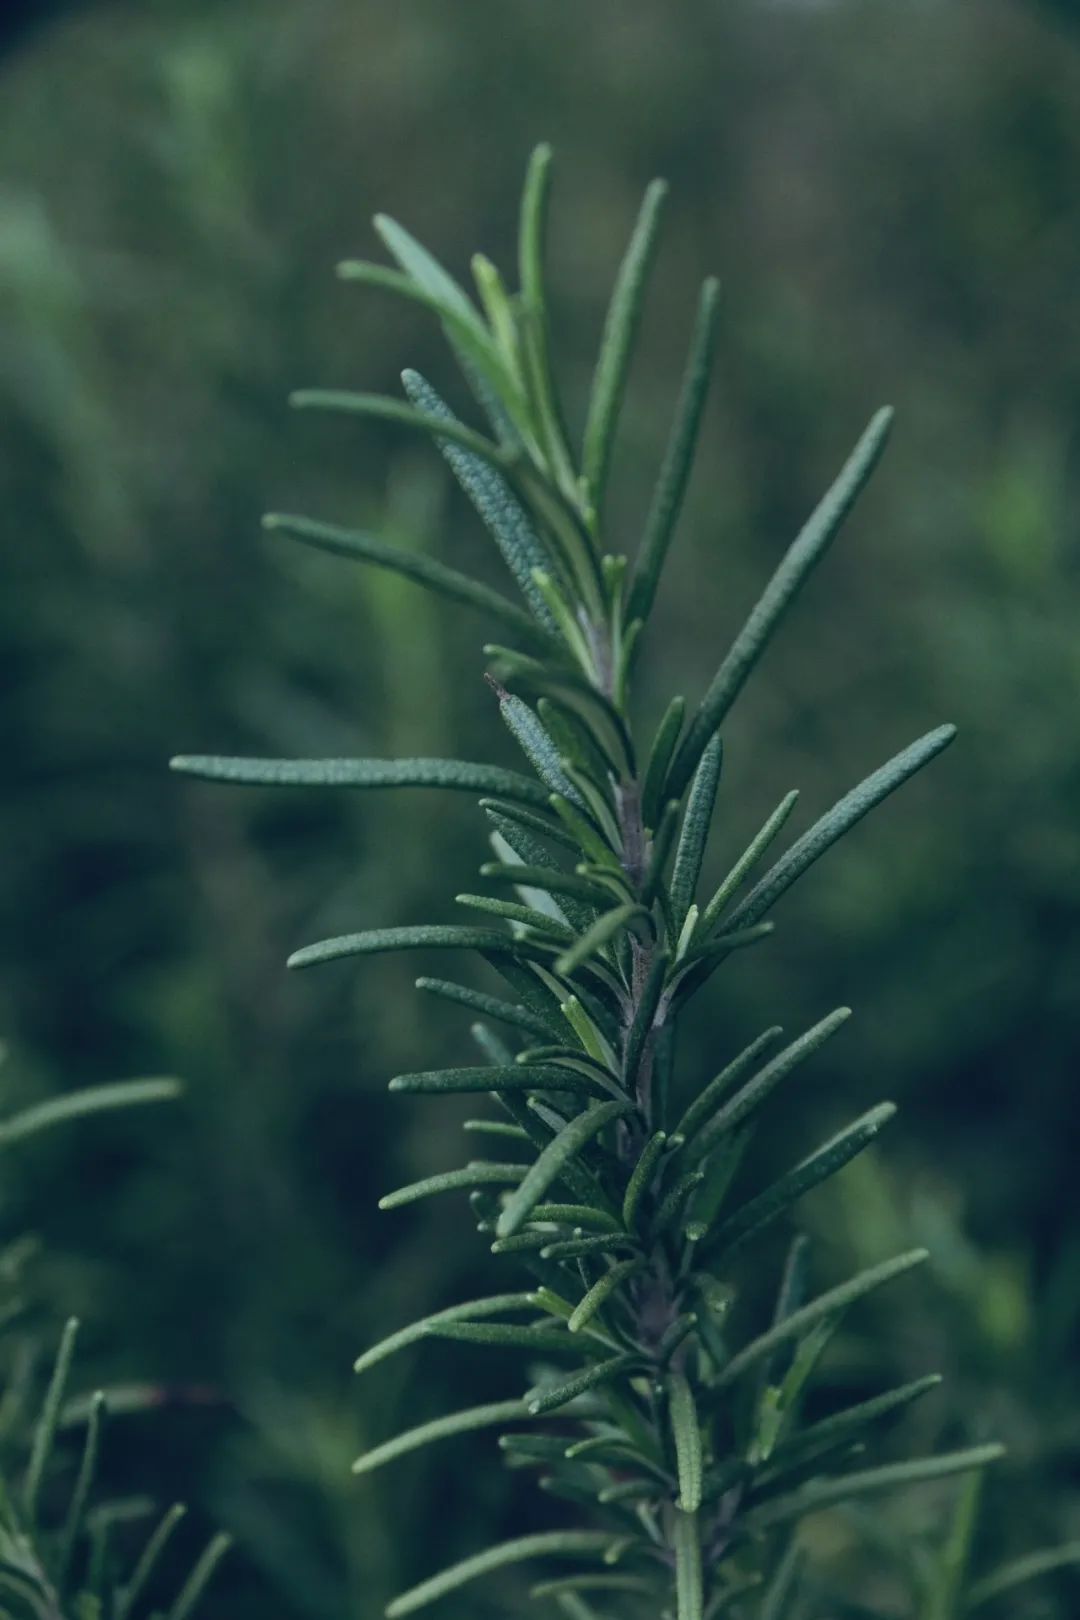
{"type": "Point", "coordinates": [61, 1556]}
{"type": "Point", "coordinates": [690, 1450]}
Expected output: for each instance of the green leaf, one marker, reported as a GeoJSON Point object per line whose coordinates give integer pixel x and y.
{"type": "Point", "coordinates": [541, 922]}
{"type": "Point", "coordinates": [534, 323]}
{"type": "Point", "coordinates": [507, 1012]}
{"type": "Point", "coordinates": [674, 1200]}
{"type": "Point", "coordinates": [505, 1336]}
{"type": "Point", "coordinates": [426, 271]}
{"type": "Point", "coordinates": [747, 861]}
{"type": "Point", "coordinates": [449, 433]}
{"type": "Point", "coordinates": [491, 374]}
{"type": "Point", "coordinates": [818, 1167]}
{"type": "Point", "coordinates": [641, 1179]}
{"type": "Point", "coordinates": [721, 1168]}
{"type": "Point", "coordinates": [494, 500]}
{"type": "Point", "coordinates": [707, 1099]}
{"type": "Point", "coordinates": [45, 1432]}
{"type": "Point", "coordinates": [148, 1560]}
{"type": "Point", "coordinates": [667, 735]}
{"type": "Point", "coordinates": [947, 1581]}
{"type": "Point", "coordinates": [601, 933]}
{"type": "Point", "coordinates": [576, 1215]}
{"type": "Point", "coordinates": [494, 1305]}
{"type": "Point", "coordinates": [84, 1481]}
{"type": "Point", "coordinates": [593, 1583]}
{"type": "Point", "coordinates": [549, 1165]}
{"type": "Point", "coordinates": [496, 1127]}
{"type": "Point", "coordinates": [600, 1292]}
{"type": "Point", "coordinates": [823, 1306]}
{"type": "Point", "coordinates": [477, 1417]}
{"type": "Point", "coordinates": [413, 565]}
{"type": "Point", "coordinates": [620, 329]}
{"type": "Point", "coordinates": [552, 879]}
{"type": "Point", "coordinates": [836, 822]}
{"type": "Point", "coordinates": [774, 1602]}
{"type": "Point", "coordinates": [695, 830]}
{"type": "Point", "coordinates": [756, 1091]}
{"type": "Point", "coordinates": [852, 1421]}
{"type": "Point", "coordinates": [689, 1595]}
{"type": "Point", "coordinates": [422, 936]}
{"type": "Point", "coordinates": [472, 1175]}
{"type": "Point", "coordinates": [548, 1398]}
{"type": "Point", "coordinates": [90, 1100]}
{"type": "Point", "coordinates": [537, 746]}
{"type": "Point", "coordinates": [199, 1579]}
{"type": "Point", "coordinates": [603, 1244]}
{"type": "Point", "coordinates": [686, 1434]}
{"type": "Point", "coordinates": [1018, 1570]}
{"type": "Point", "coordinates": [823, 1493]}
{"type": "Point", "coordinates": [363, 773]}
{"type": "Point", "coordinates": [551, 1543]}
{"type": "Point", "coordinates": [517, 1077]}
{"type": "Point", "coordinates": [499, 812]}
{"type": "Point", "coordinates": [798, 563]}
{"type": "Point", "coordinates": [679, 455]}
{"type": "Point", "coordinates": [586, 836]}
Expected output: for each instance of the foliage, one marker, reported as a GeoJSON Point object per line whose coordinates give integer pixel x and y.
{"type": "Point", "coordinates": [63, 1553]}
{"type": "Point", "coordinates": [679, 1427]}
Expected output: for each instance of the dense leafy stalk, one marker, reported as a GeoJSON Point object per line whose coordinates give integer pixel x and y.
{"type": "Point", "coordinates": [679, 1410]}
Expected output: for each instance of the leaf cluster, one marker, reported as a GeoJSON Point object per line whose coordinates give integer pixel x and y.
{"type": "Point", "coordinates": [65, 1553]}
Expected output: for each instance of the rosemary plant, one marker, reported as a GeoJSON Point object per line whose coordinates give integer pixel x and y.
{"type": "Point", "coordinates": [60, 1547]}
{"type": "Point", "coordinates": [670, 1423]}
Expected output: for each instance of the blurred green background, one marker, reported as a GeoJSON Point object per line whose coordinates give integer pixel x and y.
{"type": "Point", "coordinates": [890, 190]}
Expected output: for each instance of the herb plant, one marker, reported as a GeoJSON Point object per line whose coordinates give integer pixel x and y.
{"type": "Point", "coordinates": [669, 1424]}
{"type": "Point", "coordinates": [63, 1552]}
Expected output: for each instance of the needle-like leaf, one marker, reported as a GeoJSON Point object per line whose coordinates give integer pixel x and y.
{"type": "Point", "coordinates": [200, 1577]}
{"type": "Point", "coordinates": [518, 1077]}
{"type": "Point", "coordinates": [750, 1098]}
{"type": "Point", "coordinates": [502, 513]}
{"type": "Point", "coordinates": [552, 1396]}
{"type": "Point", "coordinates": [422, 936]}
{"type": "Point", "coordinates": [472, 1175]}
{"type": "Point", "coordinates": [690, 851]}
{"type": "Point", "coordinates": [600, 1292]}
{"type": "Point", "coordinates": [148, 1560]}
{"type": "Point", "coordinates": [746, 862]}
{"type": "Point", "coordinates": [620, 329]}
{"type": "Point", "coordinates": [90, 1100]}
{"type": "Point", "coordinates": [508, 1012]}
{"type": "Point", "coordinates": [708, 1099]}
{"type": "Point", "coordinates": [823, 1493]}
{"type": "Point", "coordinates": [547, 1544]}
{"type": "Point", "coordinates": [45, 1432]}
{"type": "Point", "coordinates": [686, 1433]}
{"type": "Point", "coordinates": [755, 635]}
{"type": "Point", "coordinates": [818, 1167]}
{"type": "Point", "coordinates": [363, 773]}
{"type": "Point", "coordinates": [477, 1417]}
{"type": "Point", "coordinates": [564, 1147]}
{"type": "Point", "coordinates": [679, 455]}
{"type": "Point", "coordinates": [1019, 1570]}
{"type": "Point", "coordinates": [414, 565]}
{"type": "Point", "coordinates": [597, 936]}
{"type": "Point", "coordinates": [825, 1305]}
{"type": "Point", "coordinates": [836, 822]}
{"type": "Point", "coordinates": [471, 1310]}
